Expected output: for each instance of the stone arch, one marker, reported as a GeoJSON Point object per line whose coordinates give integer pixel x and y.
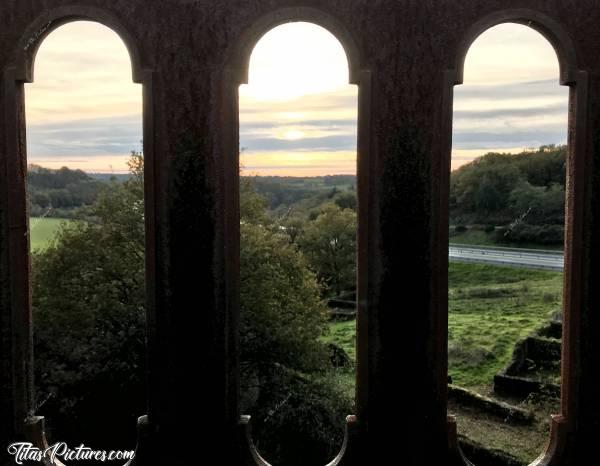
{"type": "Point", "coordinates": [235, 72]}
{"type": "Point", "coordinates": [239, 57]}
{"type": "Point", "coordinates": [570, 74]}
{"type": "Point", "coordinates": [20, 70]}
{"type": "Point", "coordinates": [49, 21]}
{"type": "Point", "coordinates": [548, 27]}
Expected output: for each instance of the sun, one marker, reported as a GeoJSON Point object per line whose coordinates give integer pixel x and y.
{"type": "Point", "coordinates": [295, 60]}
{"type": "Point", "coordinates": [293, 135]}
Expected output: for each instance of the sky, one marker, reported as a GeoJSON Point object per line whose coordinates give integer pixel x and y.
{"type": "Point", "coordinates": [298, 112]}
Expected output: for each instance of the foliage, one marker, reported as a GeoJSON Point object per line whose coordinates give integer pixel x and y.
{"type": "Point", "coordinates": [301, 419]}
{"type": "Point", "coordinates": [285, 382]}
{"type": "Point", "coordinates": [283, 192]}
{"type": "Point", "coordinates": [329, 243]}
{"type": "Point", "coordinates": [88, 300]}
{"type": "Point", "coordinates": [88, 292]}
{"type": "Point", "coordinates": [502, 188]}
{"type": "Point", "coordinates": [282, 315]}
{"type": "Point", "coordinates": [540, 205]}
{"type": "Point", "coordinates": [56, 192]}
{"type": "Point", "coordinates": [252, 204]}
{"type": "Point", "coordinates": [346, 200]}
{"type": "Point", "coordinates": [522, 233]}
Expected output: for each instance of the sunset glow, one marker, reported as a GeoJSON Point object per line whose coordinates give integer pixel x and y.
{"type": "Point", "coordinates": [298, 114]}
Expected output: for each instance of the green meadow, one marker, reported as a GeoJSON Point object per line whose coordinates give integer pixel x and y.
{"type": "Point", "coordinates": [42, 231]}
{"type": "Point", "coordinates": [490, 309]}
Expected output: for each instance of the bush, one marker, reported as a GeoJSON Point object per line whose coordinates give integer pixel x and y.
{"type": "Point", "coordinates": [89, 311]}
{"type": "Point", "coordinates": [460, 228]}
{"type": "Point", "coordinates": [523, 233]}
{"type": "Point", "coordinates": [489, 228]}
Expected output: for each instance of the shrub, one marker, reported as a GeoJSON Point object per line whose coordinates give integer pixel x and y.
{"type": "Point", "coordinates": [524, 233]}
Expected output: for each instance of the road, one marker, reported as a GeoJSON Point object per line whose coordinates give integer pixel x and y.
{"type": "Point", "coordinates": [526, 258]}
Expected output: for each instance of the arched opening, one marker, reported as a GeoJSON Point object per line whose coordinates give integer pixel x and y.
{"type": "Point", "coordinates": [507, 223]}
{"type": "Point", "coordinates": [86, 204]}
{"type": "Point", "coordinates": [298, 228]}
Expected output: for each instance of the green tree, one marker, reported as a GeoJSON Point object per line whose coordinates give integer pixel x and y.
{"type": "Point", "coordinates": [543, 205]}
{"type": "Point", "coordinates": [329, 242]}
{"type": "Point", "coordinates": [252, 205]}
{"type": "Point", "coordinates": [88, 302]}
{"type": "Point", "coordinates": [489, 199]}
{"type": "Point", "coordinates": [88, 291]}
{"type": "Point", "coordinates": [287, 382]}
{"type": "Point", "coordinates": [346, 200]}
{"type": "Point", "coordinates": [497, 188]}
{"type": "Point", "coordinates": [293, 226]}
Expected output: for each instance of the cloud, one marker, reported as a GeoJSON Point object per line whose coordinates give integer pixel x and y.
{"type": "Point", "coordinates": [510, 91]}
{"type": "Point", "coordinates": [327, 143]}
{"type": "Point", "coordinates": [488, 140]}
{"type": "Point", "coordinates": [349, 123]}
{"type": "Point", "coordinates": [557, 109]}
{"type": "Point", "coordinates": [89, 138]}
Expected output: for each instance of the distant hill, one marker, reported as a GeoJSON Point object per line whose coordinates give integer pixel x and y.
{"type": "Point", "coordinates": [107, 177]}
{"type": "Point", "coordinates": [282, 192]}
{"type": "Point", "coordinates": [59, 193]}
{"type": "Point", "coordinates": [523, 193]}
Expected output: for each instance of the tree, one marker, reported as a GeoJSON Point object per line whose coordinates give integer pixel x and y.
{"type": "Point", "coordinates": [543, 205]}
{"type": "Point", "coordinates": [497, 188]}
{"type": "Point", "coordinates": [329, 243]}
{"type": "Point", "coordinates": [346, 200]}
{"type": "Point", "coordinates": [88, 303]}
{"type": "Point", "coordinates": [287, 383]}
{"type": "Point", "coordinates": [252, 205]}
{"type": "Point", "coordinates": [88, 291]}
{"type": "Point", "coordinates": [489, 199]}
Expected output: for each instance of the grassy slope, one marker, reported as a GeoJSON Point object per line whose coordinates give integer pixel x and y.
{"type": "Point", "coordinates": [490, 308]}
{"type": "Point", "coordinates": [343, 334]}
{"type": "Point", "coordinates": [42, 230]}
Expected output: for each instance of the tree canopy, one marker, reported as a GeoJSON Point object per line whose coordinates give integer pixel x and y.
{"type": "Point", "coordinates": [498, 189]}
{"type": "Point", "coordinates": [89, 313]}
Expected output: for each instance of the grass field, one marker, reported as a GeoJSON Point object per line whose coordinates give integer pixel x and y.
{"type": "Point", "coordinates": [42, 230]}
{"type": "Point", "coordinates": [343, 334]}
{"type": "Point", "coordinates": [490, 309]}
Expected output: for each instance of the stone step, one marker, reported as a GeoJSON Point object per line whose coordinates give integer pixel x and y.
{"type": "Point", "coordinates": [507, 412]}
{"type": "Point", "coordinates": [522, 387]}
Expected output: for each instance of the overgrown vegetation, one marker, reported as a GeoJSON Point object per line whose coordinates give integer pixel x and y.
{"type": "Point", "coordinates": [89, 317]}
{"type": "Point", "coordinates": [490, 309]}
{"type": "Point", "coordinates": [59, 193]}
{"type": "Point", "coordinates": [298, 242]}
{"type": "Point", "coordinates": [522, 194]}
{"type": "Point", "coordinates": [88, 291]}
